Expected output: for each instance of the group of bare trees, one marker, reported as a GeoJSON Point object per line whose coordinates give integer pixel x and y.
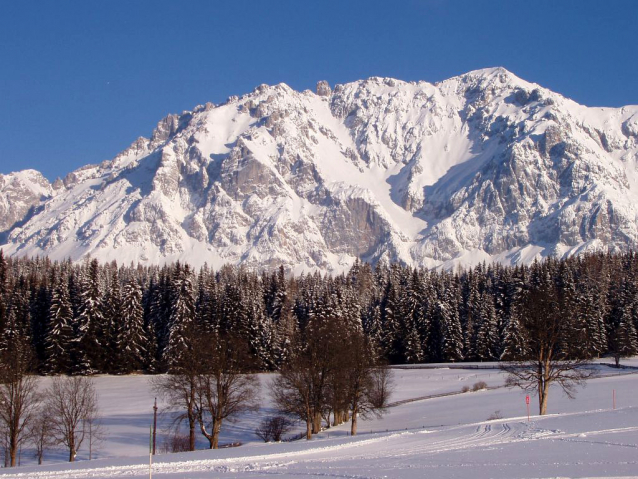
{"type": "Point", "coordinates": [208, 384]}
{"type": "Point", "coordinates": [333, 371]}
{"type": "Point", "coordinates": [64, 413]}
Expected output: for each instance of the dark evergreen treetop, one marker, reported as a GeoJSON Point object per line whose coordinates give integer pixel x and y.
{"type": "Point", "coordinates": [77, 316]}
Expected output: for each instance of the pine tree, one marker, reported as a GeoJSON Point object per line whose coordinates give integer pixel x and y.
{"type": "Point", "coordinates": [487, 337]}
{"type": "Point", "coordinates": [159, 311]}
{"type": "Point", "coordinates": [451, 331]}
{"type": "Point", "coordinates": [151, 361]}
{"type": "Point", "coordinates": [112, 323]}
{"type": "Point", "coordinates": [40, 306]}
{"type": "Point", "coordinates": [412, 346]}
{"type": "Point", "coordinates": [470, 316]}
{"type": "Point", "coordinates": [20, 304]}
{"type": "Point", "coordinates": [622, 331]}
{"type": "Point", "coordinates": [90, 322]}
{"type": "Point", "coordinates": [131, 337]}
{"type": "Point", "coordinates": [182, 316]}
{"type": "Point", "coordinates": [259, 328]}
{"type": "Point", "coordinates": [514, 346]}
{"type": "Point", "coordinates": [59, 337]}
{"type": "Point", "coordinates": [390, 329]}
{"type": "Point", "coordinates": [207, 304]}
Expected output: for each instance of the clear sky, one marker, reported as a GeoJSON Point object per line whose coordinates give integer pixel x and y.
{"type": "Point", "coordinates": [80, 80]}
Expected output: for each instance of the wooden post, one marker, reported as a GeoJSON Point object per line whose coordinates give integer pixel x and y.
{"type": "Point", "coordinates": [154, 424]}
{"type": "Point", "coordinates": [150, 452]}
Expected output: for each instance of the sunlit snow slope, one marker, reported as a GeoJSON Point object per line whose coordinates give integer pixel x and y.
{"type": "Point", "coordinates": [448, 436]}
{"type": "Point", "coordinates": [478, 167]}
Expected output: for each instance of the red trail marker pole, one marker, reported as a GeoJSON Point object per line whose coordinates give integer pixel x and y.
{"type": "Point", "coordinates": [527, 403]}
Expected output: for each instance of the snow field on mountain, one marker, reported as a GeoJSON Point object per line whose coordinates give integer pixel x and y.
{"type": "Point", "coordinates": [480, 167]}
{"type": "Point", "coordinates": [448, 436]}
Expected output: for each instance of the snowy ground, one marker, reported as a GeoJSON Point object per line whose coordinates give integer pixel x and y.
{"type": "Point", "coordinates": [447, 436]}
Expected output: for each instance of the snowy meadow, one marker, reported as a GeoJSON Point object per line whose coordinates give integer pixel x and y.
{"type": "Point", "coordinates": [473, 434]}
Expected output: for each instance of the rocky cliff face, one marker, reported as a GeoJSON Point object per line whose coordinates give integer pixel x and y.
{"type": "Point", "coordinates": [482, 166]}
{"type": "Point", "coordinates": [21, 194]}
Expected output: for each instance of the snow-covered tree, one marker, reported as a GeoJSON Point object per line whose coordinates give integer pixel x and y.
{"type": "Point", "coordinates": [182, 315]}
{"type": "Point", "coordinates": [131, 336]}
{"type": "Point", "coordinates": [59, 336]}
{"type": "Point", "coordinates": [90, 322]}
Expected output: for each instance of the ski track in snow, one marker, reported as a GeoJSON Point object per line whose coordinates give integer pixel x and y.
{"type": "Point", "coordinates": [581, 439]}
{"type": "Point", "coordinates": [482, 436]}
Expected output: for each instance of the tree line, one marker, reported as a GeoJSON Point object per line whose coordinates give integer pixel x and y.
{"type": "Point", "coordinates": [327, 336]}
{"type": "Point", "coordinates": [106, 318]}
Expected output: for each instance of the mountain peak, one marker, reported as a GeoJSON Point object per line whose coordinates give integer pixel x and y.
{"type": "Point", "coordinates": [481, 166]}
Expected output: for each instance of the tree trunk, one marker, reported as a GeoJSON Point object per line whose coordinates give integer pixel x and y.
{"type": "Point", "coordinates": [353, 424]}
{"type": "Point", "coordinates": [316, 423]}
{"type": "Point", "coordinates": [191, 434]}
{"type": "Point", "coordinates": [13, 449]}
{"type": "Point", "coordinates": [543, 390]}
{"type": "Point", "coordinates": [217, 426]}
{"type": "Point", "coordinates": [543, 400]}
{"type": "Point", "coordinates": [205, 433]}
{"type": "Point", "coordinates": [308, 429]}
{"type": "Point", "coordinates": [72, 450]}
{"type": "Point", "coordinates": [338, 417]}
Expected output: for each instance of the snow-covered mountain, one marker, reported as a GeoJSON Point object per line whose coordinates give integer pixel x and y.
{"type": "Point", "coordinates": [20, 195]}
{"type": "Point", "coordinates": [478, 167]}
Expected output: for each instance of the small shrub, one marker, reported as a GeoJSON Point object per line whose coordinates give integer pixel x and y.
{"type": "Point", "coordinates": [479, 385]}
{"type": "Point", "coordinates": [273, 428]}
{"type": "Point", "coordinates": [175, 443]}
{"type": "Point", "coordinates": [465, 389]}
{"type": "Point", "coordinates": [495, 415]}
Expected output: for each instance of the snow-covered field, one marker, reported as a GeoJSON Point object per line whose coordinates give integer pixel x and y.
{"type": "Point", "coordinates": [449, 436]}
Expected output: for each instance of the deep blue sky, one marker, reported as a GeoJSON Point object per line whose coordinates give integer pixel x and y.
{"type": "Point", "coordinates": [80, 80]}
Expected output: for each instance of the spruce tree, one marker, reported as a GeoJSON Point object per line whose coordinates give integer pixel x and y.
{"type": "Point", "coordinates": [182, 316]}
{"type": "Point", "coordinates": [451, 331]}
{"type": "Point", "coordinates": [514, 346]}
{"type": "Point", "coordinates": [131, 337]}
{"type": "Point", "coordinates": [487, 337]}
{"type": "Point", "coordinates": [111, 323]}
{"type": "Point", "coordinates": [59, 336]}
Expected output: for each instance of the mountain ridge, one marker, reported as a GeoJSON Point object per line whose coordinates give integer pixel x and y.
{"type": "Point", "coordinates": [482, 166]}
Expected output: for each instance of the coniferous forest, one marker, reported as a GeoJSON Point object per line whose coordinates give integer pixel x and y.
{"type": "Point", "coordinates": [106, 318]}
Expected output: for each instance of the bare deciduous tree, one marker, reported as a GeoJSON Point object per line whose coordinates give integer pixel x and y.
{"type": "Point", "coordinates": [19, 397]}
{"type": "Point", "coordinates": [550, 353]}
{"type": "Point", "coordinates": [273, 428]}
{"type": "Point", "coordinates": [179, 394]}
{"type": "Point", "coordinates": [301, 387]}
{"type": "Point", "coordinates": [39, 432]}
{"type": "Point", "coordinates": [331, 372]}
{"type": "Point", "coordinates": [178, 389]}
{"type": "Point", "coordinates": [224, 387]}
{"type": "Point", "coordinates": [73, 407]}
{"type": "Point", "coordinates": [369, 383]}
